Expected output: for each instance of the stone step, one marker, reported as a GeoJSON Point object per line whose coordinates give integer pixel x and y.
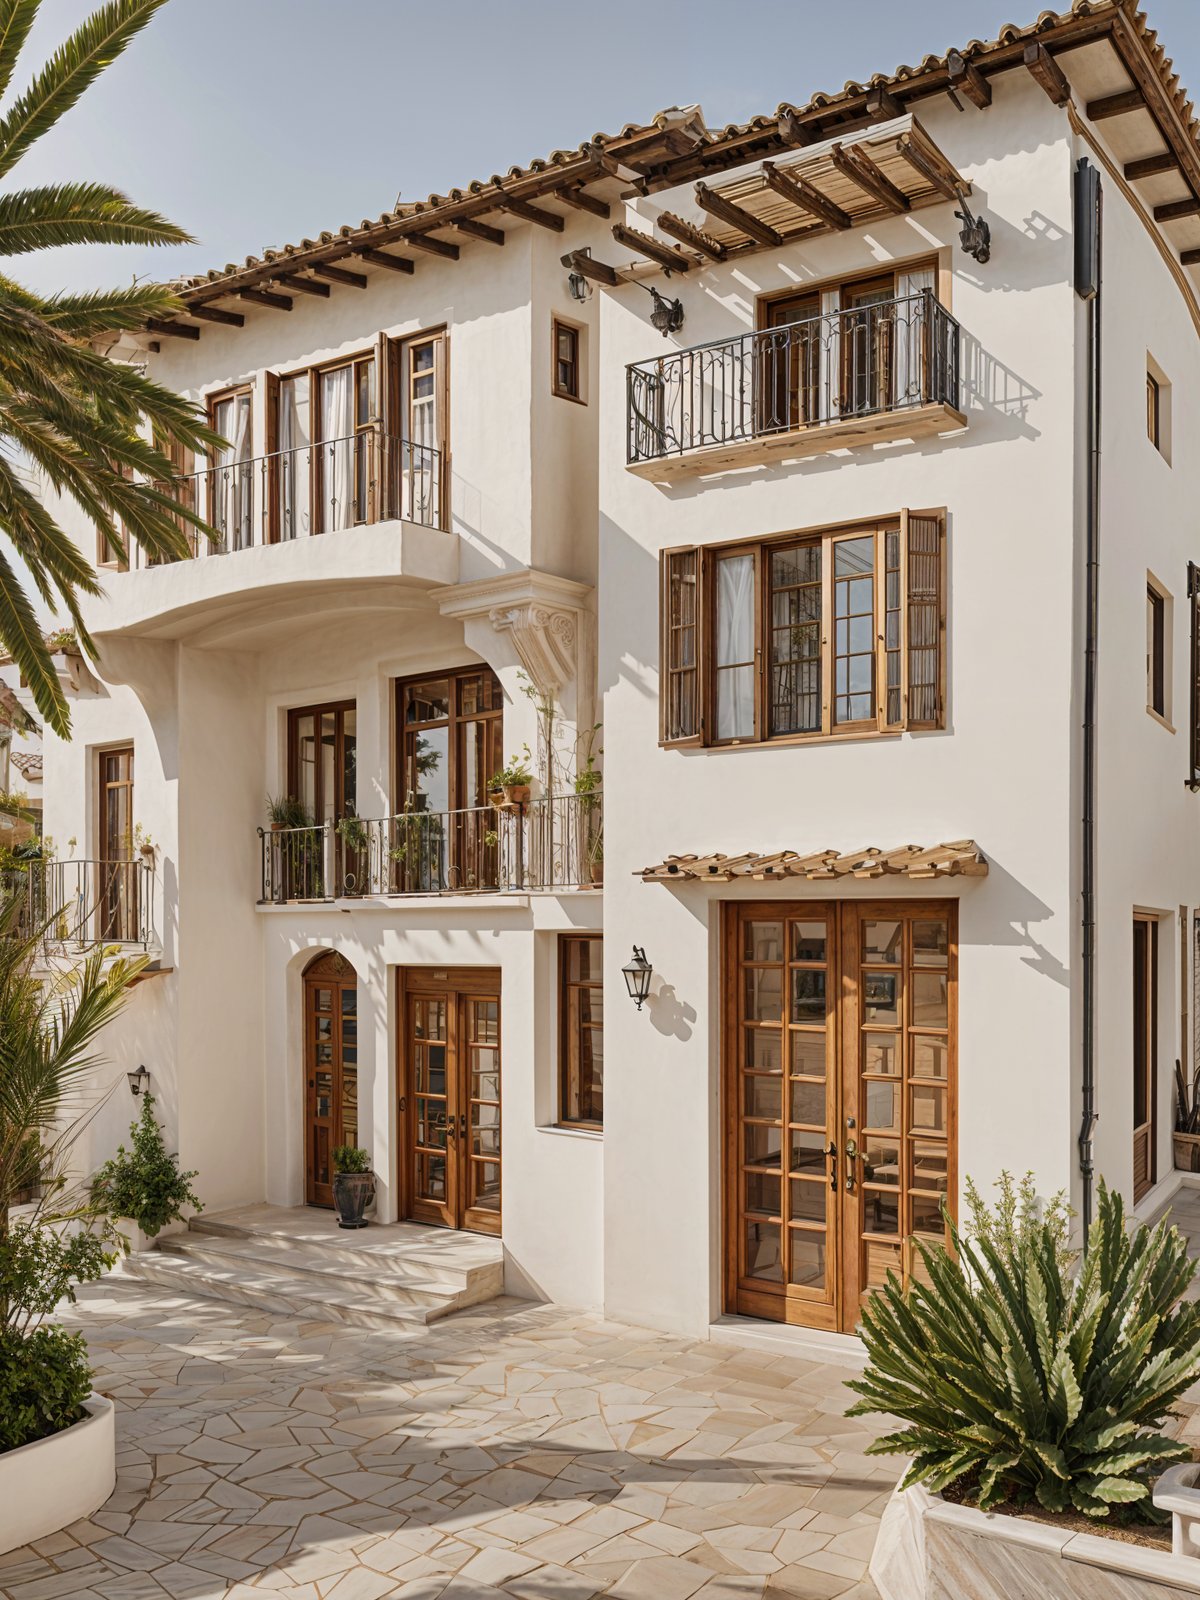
{"type": "Point", "coordinates": [299, 1299]}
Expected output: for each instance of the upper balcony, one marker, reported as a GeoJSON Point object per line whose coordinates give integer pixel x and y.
{"type": "Point", "coordinates": [73, 906]}
{"type": "Point", "coordinates": [830, 381]}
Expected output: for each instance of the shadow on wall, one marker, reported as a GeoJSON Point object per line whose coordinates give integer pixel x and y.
{"type": "Point", "coordinates": [143, 1035]}
{"type": "Point", "coordinates": [671, 1016]}
{"type": "Point", "coordinates": [1014, 908]}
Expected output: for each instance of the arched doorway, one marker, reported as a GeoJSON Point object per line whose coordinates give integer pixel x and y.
{"type": "Point", "coordinates": [330, 1069]}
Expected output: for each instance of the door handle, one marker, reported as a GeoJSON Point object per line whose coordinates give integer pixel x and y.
{"type": "Point", "coordinates": [851, 1158]}
{"type": "Point", "coordinates": [832, 1154]}
{"type": "Point", "coordinates": [462, 1125]}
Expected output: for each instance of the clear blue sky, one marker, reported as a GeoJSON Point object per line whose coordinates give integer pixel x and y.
{"type": "Point", "coordinates": [257, 122]}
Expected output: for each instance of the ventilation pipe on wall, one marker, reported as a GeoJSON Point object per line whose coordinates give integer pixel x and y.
{"type": "Point", "coordinates": [1088, 221]}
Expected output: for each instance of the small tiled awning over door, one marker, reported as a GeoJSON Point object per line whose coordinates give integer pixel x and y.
{"type": "Point", "coordinates": [962, 858]}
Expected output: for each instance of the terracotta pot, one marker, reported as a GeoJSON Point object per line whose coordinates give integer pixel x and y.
{"type": "Point", "coordinates": [352, 1193]}
{"type": "Point", "coordinates": [496, 798]}
{"type": "Point", "coordinates": [277, 827]}
{"type": "Point", "coordinates": [517, 793]}
{"type": "Point", "coordinates": [1187, 1152]}
{"type": "Point", "coordinates": [597, 872]}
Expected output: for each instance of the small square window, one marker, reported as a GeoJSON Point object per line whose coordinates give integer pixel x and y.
{"type": "Point", "coordinates": [567, 351]}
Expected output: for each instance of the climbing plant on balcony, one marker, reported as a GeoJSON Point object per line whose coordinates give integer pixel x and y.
{"type": "Point", "coordinates": [98, 431]}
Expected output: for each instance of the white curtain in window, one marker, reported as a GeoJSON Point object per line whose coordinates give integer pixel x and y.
{"type": "Point", "coordinates": [233, 494]}
{"type": "Point", "coordinates": [337, 449]}
{"type": "Point", "coordinates": [910, 335]}
{"type": "Point", "coordinates": [288, 465]}
{"type": "Point", "coordinates": [735, 647]}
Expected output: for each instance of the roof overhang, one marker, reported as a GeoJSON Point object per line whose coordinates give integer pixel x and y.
{"type": "Point", "coordinates": [962, 858]}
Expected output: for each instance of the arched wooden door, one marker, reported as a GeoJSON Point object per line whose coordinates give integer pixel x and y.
{"type": "Point", "coordinates": [330, 1070]}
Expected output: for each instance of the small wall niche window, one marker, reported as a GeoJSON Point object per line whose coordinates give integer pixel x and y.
{"type": "Point", "coordinates": [567, 352]}
{"type": "Point", "coordinates": [805, 636]}
{"type": "Point", "coordinates": [1158, 651]}
{"type": "Point", "coordinates": [1158, 409]}
{"type": "Point", "coordinates": [581, 1024]}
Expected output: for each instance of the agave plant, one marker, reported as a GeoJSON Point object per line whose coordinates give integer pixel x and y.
{"type": "Point", "coordinates": [1023, 1380]}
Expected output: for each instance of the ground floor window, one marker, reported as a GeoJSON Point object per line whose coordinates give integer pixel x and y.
{"type": "Point", "coordinates": [581, 1029]}
{"type": "Point", "coordinates": [1145, 1051]}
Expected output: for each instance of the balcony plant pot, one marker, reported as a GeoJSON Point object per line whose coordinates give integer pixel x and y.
{"type": "Point", "coordinates": [352, 1194]}
{"type": "Point", "coordinates": [1187, 1152]}
{"type": "Point", "coordinates": [496, 798]}
{"type": "Point", "coordinates": [517, 793]}
{"type": "Point", "coordinates": [138, 1240]}
{"type": "Point", "coordinates": [598, 873]}
{"type": "Point", "coordinates": [63, 1478]}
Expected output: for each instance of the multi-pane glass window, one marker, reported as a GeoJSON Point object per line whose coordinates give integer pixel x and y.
{"type": "Point", "coordinates": [581, 1017]}
{"type": "Point", "coordinates": [566, 361]}
{"type": "Point", "coordinates": [231, 475]}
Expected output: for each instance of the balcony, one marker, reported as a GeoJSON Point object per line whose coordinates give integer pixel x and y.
{"type": "Point", "coordinates": [76, 905]}
{"type": "Point", "coordinates": [550, 843]}
{"type": "Point", "coordinates": [843, 379]}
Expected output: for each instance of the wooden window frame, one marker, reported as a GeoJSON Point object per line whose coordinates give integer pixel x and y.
{"type": "Point", "coordinates": [339, 709]}
{"type": "Point", "coordinates": [766, 306]}
{"type": "Point", "coordinates": [1193, 593]}
{"type": "Point", "coordinates": [453, 723]}
{"type": "Point", "coordinates": [1147, 971]}
{"type": "Point", "coordinates": [922, 612]}
{"type": "Point", "coordinates": [576, 331]}
{"type": "Point", "coordinates": [1158, 652]}
{"type": "Point", "coordinates": [1154, 410]}
{"type": "Point", "coordinates": [105, 753]}
{"type": "Point", "coordinates": [568, 1040]}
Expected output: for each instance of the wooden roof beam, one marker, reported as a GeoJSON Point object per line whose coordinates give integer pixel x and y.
{"type": "Point", "coordinates": [1115, 105]}
{"type": "Point", "coordinates": [582, 201]}
{"type": "Point", "coordinates": [326, 269]}
{"type": "Point", "coordinates": [231, 319]}
{"type": "Point", "coordinates": [1190, 258]}
{"type": "Point", "coordinates": [860, 169]}
{"type": "Point", "coordinates": [599, 271]}
{"type": "Point", "coordinates": [1047, 72]}
{"type": "Point", "coordinates": [381, 258]}
{"type": "Point", "coordinates": [1176, 209]}
{"type": "Point", "coordinates": [531, 213]}
{"type": "Point", "coordinates": [291, 281]}
{"type": "Point", "coordinates": [642, 244]}
{"type": "Point", "coordinates": [264, 297]}
{"type": "Point", "coordinates": [435, 247]}
{"type": "Point", "coordinates": [806, 196]}
{"type": "Point", "coordinates": [686, 233]}
{"type": "Point", "coordinates": [916, 159]}
{"type": "Point", "coordinates": [177, 330]}
{"type": "Point", "coordinates": [794, 132]}
{"type": "Point", "coordinates": [736, 216]}
{"type": "Point", "coordinates": [882, 106]}
{"type": "Point", "coordinates": [474, 229]}
{"type": "Point", "coordinates": [1151, 166]}
{"type": "Point", "coordinates": [968, 79]}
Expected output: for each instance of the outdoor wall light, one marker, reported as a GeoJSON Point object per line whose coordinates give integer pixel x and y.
{"type": "Point", "coordinates": [638, 973]}
{"type": "Point", "coordinates": [667, 315]}
{"type": "Point", "coordinates": [975, 236]}
{"type": "Point", "coordinates": [139, 1082]}
{"type": "Point", "coordinates": [580, 289]}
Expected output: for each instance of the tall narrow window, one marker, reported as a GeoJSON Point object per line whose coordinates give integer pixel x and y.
{"type": "Point", "coordinates": [1156, 651]}
{"type": "Point", "coordinates": [854, 629]}
{"type": "Point", "coordinates": [116, 889]}
{"type": "Point", "coordinates": [345, 475]}
{"type": "Point", "coordinates": [421, 486]}
{"type": "Point", "coordinates": [1193, 589]}
{"type": "Point", "coordinates": [735, 649]}
{"type": "Point", "coordinates": [322, 751]}
{"type": "Point", "coordinates": [567, 377]}
{"type": "Point", "coordinates": [1145, 1051]}
{"type": "Point", "coordinates": [680, 628]}
{"type": "Point", "coordinates": [581, 1017]}
{"type": "Point", "coordinates": [795, 603]}
{"type": "Point", "coordinates": [231, 476]}
{"type": "Point", "coordinates": [1153, 410]}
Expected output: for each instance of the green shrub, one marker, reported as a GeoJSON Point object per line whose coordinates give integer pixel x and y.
{"type": "Point", "coordinates": [351, 1158]}
{"type": "Point", "coordinates": [145, 1183]}
{"type": "Point", "coordinates": [44, 1380]}
{"type": "Point", "coordinates": [1021, 1382]}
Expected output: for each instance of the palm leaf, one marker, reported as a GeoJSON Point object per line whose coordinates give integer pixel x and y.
{"type": "Point", "coordinates": [16, 19]}
{"type": "Point", "coordinates": [21, 636]}
{"type": "Point", "coordinates": [78, 213]}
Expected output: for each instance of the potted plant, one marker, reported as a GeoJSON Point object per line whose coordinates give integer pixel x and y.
{"type": "Point", "coordinates": [353, 1185]}
{"type": "Point", "coordinates": [142, 1188]}
{"type": "Point", "coordinates": [495, 791]}
{"type": "Point", "coordinates": [352, 832]}
{"type": "Point", "coordinates": [144, 843]}
{"type": "Point", "coordinates": [287, 812]}
{"type": "Point", "coordinates": [1187, 1120]}
{"type": "Point", "coordinates": [596, 859]}
{"type": "Point", "coordinates": [516, 777]}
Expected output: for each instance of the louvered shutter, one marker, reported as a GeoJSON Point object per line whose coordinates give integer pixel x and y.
{"type": "Point", "coordinates": [681, 647]}
{"type": "Point", "coordinates": [923, 535]}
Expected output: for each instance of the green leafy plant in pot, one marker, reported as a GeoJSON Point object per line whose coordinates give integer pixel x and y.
{"type": "Point", "coordinates": [353, 1185]}
{"type": "Point", "coordinates": [144, 1183]}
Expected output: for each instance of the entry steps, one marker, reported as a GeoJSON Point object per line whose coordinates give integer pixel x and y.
{"type": "Point", "coordinates": [297, 1263]}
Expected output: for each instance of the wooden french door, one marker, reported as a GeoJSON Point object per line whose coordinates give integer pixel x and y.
{"type": "Point", "coordinates": [330, 1070]}
{"type": "Point", "coordinates": [1145, 1052]}
{"type": "Point", "coordinates": [450, 1097]}
{"type": "Point", "coordinates": [839, 1100]}
{"type": "Point", "coordinates": [116, 887]}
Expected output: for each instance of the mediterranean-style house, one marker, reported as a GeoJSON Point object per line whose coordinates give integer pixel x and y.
{"type": "Point", "coordinates": [835, 465]}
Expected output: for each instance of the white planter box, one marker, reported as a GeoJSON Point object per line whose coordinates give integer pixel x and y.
{"type": "Point", "coordinates": [139, 1241]}
{"type": "Point", "coordinates": [47, 1485]}
{"type": "Point", "coordinates": [929, 1549]}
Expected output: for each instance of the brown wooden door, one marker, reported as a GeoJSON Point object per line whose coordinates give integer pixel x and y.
{"type": "Point", "coordinates": [839, 1100]}
{"type": "Point", "coordinates": [1145, 1051]}
{"type": "Point", "coordinates": [116, 886]}
{"type": "Point", "coordinates": [450, 1097]}
{"type": "Point", "coordinates": [330, 1070]}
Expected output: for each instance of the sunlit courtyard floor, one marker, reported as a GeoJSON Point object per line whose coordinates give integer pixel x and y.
{"type": "Point", "coordinates": [511, 1450]}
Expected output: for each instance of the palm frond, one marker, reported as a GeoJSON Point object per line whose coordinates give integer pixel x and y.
{"type": "Point", "coordinates": [22, 638]}
{"type": "Point", "coordinates": [78, 213]}
{"type": "Point", "coordinates": [83, 316]}
{"type": "Point", "coordinates": [16, 19]}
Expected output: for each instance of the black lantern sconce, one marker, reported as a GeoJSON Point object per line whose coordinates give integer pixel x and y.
{"type": "Point", "coordinates": [638, 973]}
{"type": "Point", "coordinates": [666, 315]}
{"type": "Point", "coordinates": [139, 1082]}
{"type": "Point", "coordinates": [975, 236]}
{"type": "Point", "coordinates": [578, 287]}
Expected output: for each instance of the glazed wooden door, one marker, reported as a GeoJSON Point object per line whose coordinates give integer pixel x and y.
{"type": "Point", "coordinates": [838, 1093]}
{"type": "Point", "coordinates": [116, 889]}
{"type": "Point", "coordinates": [450, 1102]}
{"type": "Point", "coordinates": [331, 1070]}
{"type": "Point", "coordinates": [1145, 1051]}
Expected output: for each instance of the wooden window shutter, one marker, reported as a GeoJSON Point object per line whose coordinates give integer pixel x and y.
{"type": "Point", "coordinates": [385, 356]}
{"type": "Point", "coordinates": [1193, 589]}
{"type": "Point", "coordinates": [923, 542]}
{"type": "Point", "coordinates": [274, 475]}
{"type": "Point", "coordinates": [681, 647]}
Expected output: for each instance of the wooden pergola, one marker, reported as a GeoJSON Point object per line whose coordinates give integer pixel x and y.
{"type": "Point", "coordinates": [962, 858]}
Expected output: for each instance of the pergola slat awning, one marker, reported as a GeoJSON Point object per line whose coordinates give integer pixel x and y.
{"type": "Point", "coordinates": [961, 858]}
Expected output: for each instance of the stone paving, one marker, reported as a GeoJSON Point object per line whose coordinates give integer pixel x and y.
{"type": "Point", "coordinates": [512, 1451]}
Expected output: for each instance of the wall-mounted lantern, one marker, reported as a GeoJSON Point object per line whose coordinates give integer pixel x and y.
{"type": "Point", "coordinates": [139, 1082]}
{"type": "Point", "coordinates": [638, 973]}
{"type": "Point", "coordinates": [666, 315]}
{"type": "Point", "coordinates": [975, 236]}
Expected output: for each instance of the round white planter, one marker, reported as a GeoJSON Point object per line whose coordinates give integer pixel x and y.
{"type": "Point", "coordinates": [138, 1241]}
{"type": "Point", "coordinates": [47, 1485]}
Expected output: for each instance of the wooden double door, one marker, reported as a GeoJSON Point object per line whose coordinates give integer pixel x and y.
{"type": "Point", "coordinates": [450, 1097]}
{"type": "Point", "coordinates": [331, 1070]}
{"type": "Point", "coordinates": [839, 1100]}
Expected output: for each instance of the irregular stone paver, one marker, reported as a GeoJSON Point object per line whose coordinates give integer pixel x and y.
{"type": "Point", "coordinates": [513, 1451]}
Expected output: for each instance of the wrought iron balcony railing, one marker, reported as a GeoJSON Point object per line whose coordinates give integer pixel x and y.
{"type": "Point", "coordinates": [79, 904]}
{"type": "Point", "coordinates": [554, 842]}
{"type": "Point", "coordinates": [364, 478]}
{"type": "Point", "coordinates": [894, 356]}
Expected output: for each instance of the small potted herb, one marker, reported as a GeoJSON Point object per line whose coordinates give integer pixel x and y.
{"type": "Point", "coordinates": [287, 812]}
{"type": "Point", "coordinates": [516, 778]}
{"type": "Point", "coordinates": [353, 833]}
{"type": "Point", "coordinates": [353, 1185]}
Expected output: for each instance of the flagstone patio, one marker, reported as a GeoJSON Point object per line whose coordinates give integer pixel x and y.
{"type": "Point", "coordinates": [510, 1451]}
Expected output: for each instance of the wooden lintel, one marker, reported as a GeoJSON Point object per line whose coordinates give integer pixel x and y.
{"type": "Point", "coordinates": [264, 297]}
{"type": "Point", "coordinates": [860, 169]}
{"type": "Point", "coordinates": [686, 233]}
{"type": "Point", "coordinates": [736, 216]}
{"type": "Point", "coordinates": [804, 195]}
{"type": "Point", "coordinates": [435, 247]}
{"type": "Point", "coordinates": [1151, 166]}
{"type": "Point", "coordinates": [530, 213]}
{"type": "Point", "coordinates": [292, 281]}
{"type": "Point", "coordinates": [1047, 72]}
{"type": "Point", "coordinates": [382, 258]}
{"type": "Point", "coordinates": [474, 229]}
{"type": "Point", "coordinates": [1115, 105]}
{"type": "Point", "coordinates": [599, 271]}
{"type": "Point", "coordinates": [582, 201]}
{"type": "Point", "coordinates": [177, 330]}
{"type": "Point", "coordinates": [230, 319]}
{"type": "Point", "coordinates": [882, 106]}
{"type": "Point", "coordinates": [642, 243]}
{"type": "Point", "coordinates": [794, 132]}
{"type": "Point", "coordinates": [1176, 209]}
{"type": "Point", "coordinates": [915, 156]}
{"type": "Point", "coordinates": [967, 78]}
